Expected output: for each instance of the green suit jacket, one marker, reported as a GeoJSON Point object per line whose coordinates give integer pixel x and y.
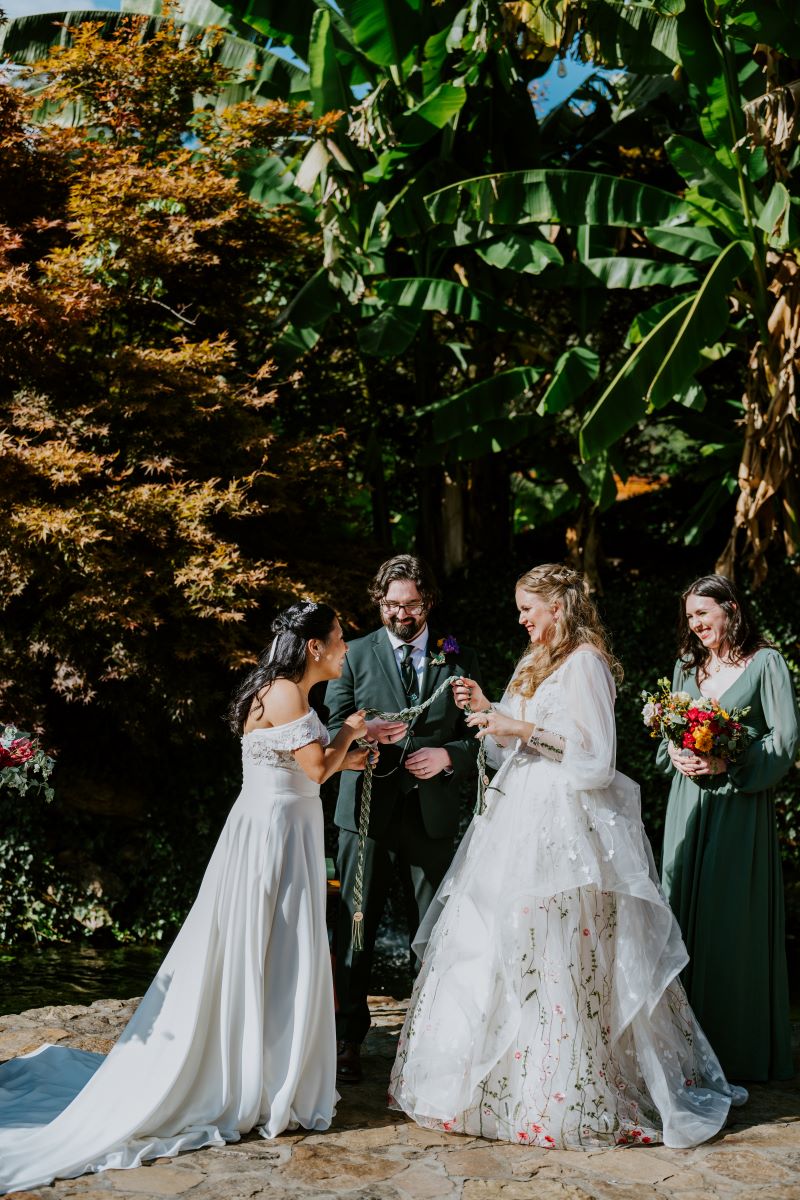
{"type": "Point", "coordinates": [370, 679]}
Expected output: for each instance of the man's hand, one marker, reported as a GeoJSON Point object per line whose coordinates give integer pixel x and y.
{"type": "Point", "coordinates": [386, 732]}
{"type": "Point", "coordinates": [428, 762]}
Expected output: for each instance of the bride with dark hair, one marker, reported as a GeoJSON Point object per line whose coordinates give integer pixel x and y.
{"type": "Point", "coordinates": [236, 1031]}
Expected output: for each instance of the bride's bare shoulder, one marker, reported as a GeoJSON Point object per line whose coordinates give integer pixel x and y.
{"type": "Point", "coordinates": [280, 702]}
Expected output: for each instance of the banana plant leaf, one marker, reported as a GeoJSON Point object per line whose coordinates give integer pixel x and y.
{"type": "Point", "coordinates": [698, 243]}
{"type": "Point", "coordinates": [575, 372]}
{"type": "Point", "coordinates": [491, 401]}
{"type": "Point", "coordinates": [701, 168]}
{"type": "Point", "coordinates": [519, 252]}
{"type": "Point", "coordinates": [557, 197]}
{"type": "Point", "coordinates": [624, 403]}
{"type": "Point", "coordinates": [665, 360]}
{"type": "Point", "coordinates": [619, 272]}
{"type": "Point", "coordinates": [385, 31]}
{"type": "Point", "coordinates": [489, 437]}
{"type": "Point", "coordinates": [633, 36]}
{"type": "Point", "coordinates": [440, 295]}
{"type": "Point", "coordinates": [329, 91]}
{"type": "Point", "coordinates": [704, 321]}
{"type": "Point", "coordinates": [391, 333]}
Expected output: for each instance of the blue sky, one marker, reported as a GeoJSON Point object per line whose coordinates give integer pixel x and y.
{"type": "Point", "coordinates": [557, 89]}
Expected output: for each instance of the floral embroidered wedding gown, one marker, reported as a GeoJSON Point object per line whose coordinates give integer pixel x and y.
{"type": "Point", "coordinates": [548, 1010]}
{"type": "Point", "coordinates": [237, 1029]}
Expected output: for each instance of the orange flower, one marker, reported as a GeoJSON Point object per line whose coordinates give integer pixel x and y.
{"type": "Point", "coordinates": [703, 739]}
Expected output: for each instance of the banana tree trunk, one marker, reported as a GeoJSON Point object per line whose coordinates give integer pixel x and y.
{"type": "Point", "coordinates": [769, 495]}
{"type": "Point", "coordinates": [489, 526]}
{"type": "Point", "coordinates": [584, 550]}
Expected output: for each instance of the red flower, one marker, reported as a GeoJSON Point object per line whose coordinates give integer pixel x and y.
{"type": "Point", "coordinates": [549, 1139]}
{"type": "Point", "coordinates": [522, 1137]}
{"type": "Point", "coordinates": [586, 933]}
{"type": "Point", "coordinates": [537, 1128]}
{"type": "Point", "coordinates": [20, 750]}
{"type": "Point", "coordinates": [646, 1141]}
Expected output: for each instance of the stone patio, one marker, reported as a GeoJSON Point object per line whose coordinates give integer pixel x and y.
{"type": "Point", "coordinates": [372, 1154]}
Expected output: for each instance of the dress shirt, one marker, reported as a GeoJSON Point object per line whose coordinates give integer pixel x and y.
{"type": "Point", "coordinates": [419, 652]}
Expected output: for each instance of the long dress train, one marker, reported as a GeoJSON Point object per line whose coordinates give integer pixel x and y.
{"type": "Point", "coordinates": [547, 1009]}
{"type": "Point", "coordinates": [236, 1031]}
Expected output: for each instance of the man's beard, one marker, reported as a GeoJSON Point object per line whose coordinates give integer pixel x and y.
{"type": "Point", "coordinates": [408, 628]}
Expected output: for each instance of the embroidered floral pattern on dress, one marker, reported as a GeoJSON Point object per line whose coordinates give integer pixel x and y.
{"type": "Point", "coordinates": [547, 1010]}
{"type": "Point", "coordinates": [274, 747]}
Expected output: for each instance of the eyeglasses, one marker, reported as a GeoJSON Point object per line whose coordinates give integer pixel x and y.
{"type": "Point", "coordinates": [413, 609]}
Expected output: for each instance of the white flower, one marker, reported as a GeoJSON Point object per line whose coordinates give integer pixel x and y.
{"type": "Point", "coordinates": [649, 712]}
{"type": "Point", "coordinates": [683, 697]}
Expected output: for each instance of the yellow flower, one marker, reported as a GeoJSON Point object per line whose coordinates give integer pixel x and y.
{"type": "Point", "coordinates": [703, 739]}
{"type": "Point", "coordinates": [722, 713]}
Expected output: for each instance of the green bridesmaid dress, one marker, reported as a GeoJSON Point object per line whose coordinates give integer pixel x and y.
{"type": "Point", "coordinates": [722, 877]}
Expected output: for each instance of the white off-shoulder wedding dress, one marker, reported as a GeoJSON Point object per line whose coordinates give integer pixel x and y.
{"type": "Point", "coordinates": [236, 1031]}
{"type": "Point", "coordinates": [547, 1010]}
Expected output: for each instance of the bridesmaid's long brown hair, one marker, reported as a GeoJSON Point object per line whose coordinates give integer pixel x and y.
{"type": "Point", "coordinates": [742, 636]}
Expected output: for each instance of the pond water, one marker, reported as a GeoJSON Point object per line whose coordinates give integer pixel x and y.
{"type": "Point", "coordinates": [75, 974]}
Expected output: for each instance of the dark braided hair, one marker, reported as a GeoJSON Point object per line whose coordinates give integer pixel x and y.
{"type": "Point", "coordinates": [741, 638]}
{"type": "Point", "coordinates": [284, 658]}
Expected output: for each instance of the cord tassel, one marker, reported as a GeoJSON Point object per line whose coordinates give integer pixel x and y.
{"type": "Point", "coordinates": [406, 715]}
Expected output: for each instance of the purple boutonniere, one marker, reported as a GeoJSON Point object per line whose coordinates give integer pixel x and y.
{"type": "Point", "coordinates": [445, 647]}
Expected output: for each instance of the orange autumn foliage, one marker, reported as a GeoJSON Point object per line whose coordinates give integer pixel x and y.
{"type": "Point", "coordinates": [149, 501]}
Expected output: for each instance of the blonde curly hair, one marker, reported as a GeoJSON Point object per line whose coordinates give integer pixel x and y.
{"type": "Point", "coordinates": [577, 624]}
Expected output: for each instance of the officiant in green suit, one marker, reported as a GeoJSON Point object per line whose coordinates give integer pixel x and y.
{"type": "Point", "coordinates": [414, 813]}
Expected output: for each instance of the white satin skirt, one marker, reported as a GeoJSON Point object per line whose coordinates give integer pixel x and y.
{"type": "Point", "coordinates": [235, 1033]}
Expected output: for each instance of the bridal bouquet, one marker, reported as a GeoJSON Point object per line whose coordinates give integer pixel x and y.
{"type": "Point", "coordinates": [695, 723]}
{"type": "Point", "coordinates": [23, 763]}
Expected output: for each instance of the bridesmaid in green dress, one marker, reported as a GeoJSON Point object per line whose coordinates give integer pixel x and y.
{"type": "Point", "coordinates": [722, 869]}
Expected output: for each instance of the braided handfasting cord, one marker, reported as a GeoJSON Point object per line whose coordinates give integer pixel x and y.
{"type": "Point", "coordinates": [406, 714]}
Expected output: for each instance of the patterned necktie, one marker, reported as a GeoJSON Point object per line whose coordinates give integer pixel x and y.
{"type": "Point", "coordinates": [408, 675]}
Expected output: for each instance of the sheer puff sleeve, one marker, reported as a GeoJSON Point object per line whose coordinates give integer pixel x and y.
{"type": "Point", "coordinates": [574, 713]}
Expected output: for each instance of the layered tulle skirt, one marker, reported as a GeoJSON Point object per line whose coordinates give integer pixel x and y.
{"type": "Point", "coordinates": [547, 1009]}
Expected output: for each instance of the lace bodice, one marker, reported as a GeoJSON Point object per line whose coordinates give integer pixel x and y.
{"type": "Point", "coordinates": [273, 747]}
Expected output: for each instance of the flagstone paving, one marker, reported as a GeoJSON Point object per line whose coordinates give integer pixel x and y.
{"type": "Point", "coordinates": [372, 1154]}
